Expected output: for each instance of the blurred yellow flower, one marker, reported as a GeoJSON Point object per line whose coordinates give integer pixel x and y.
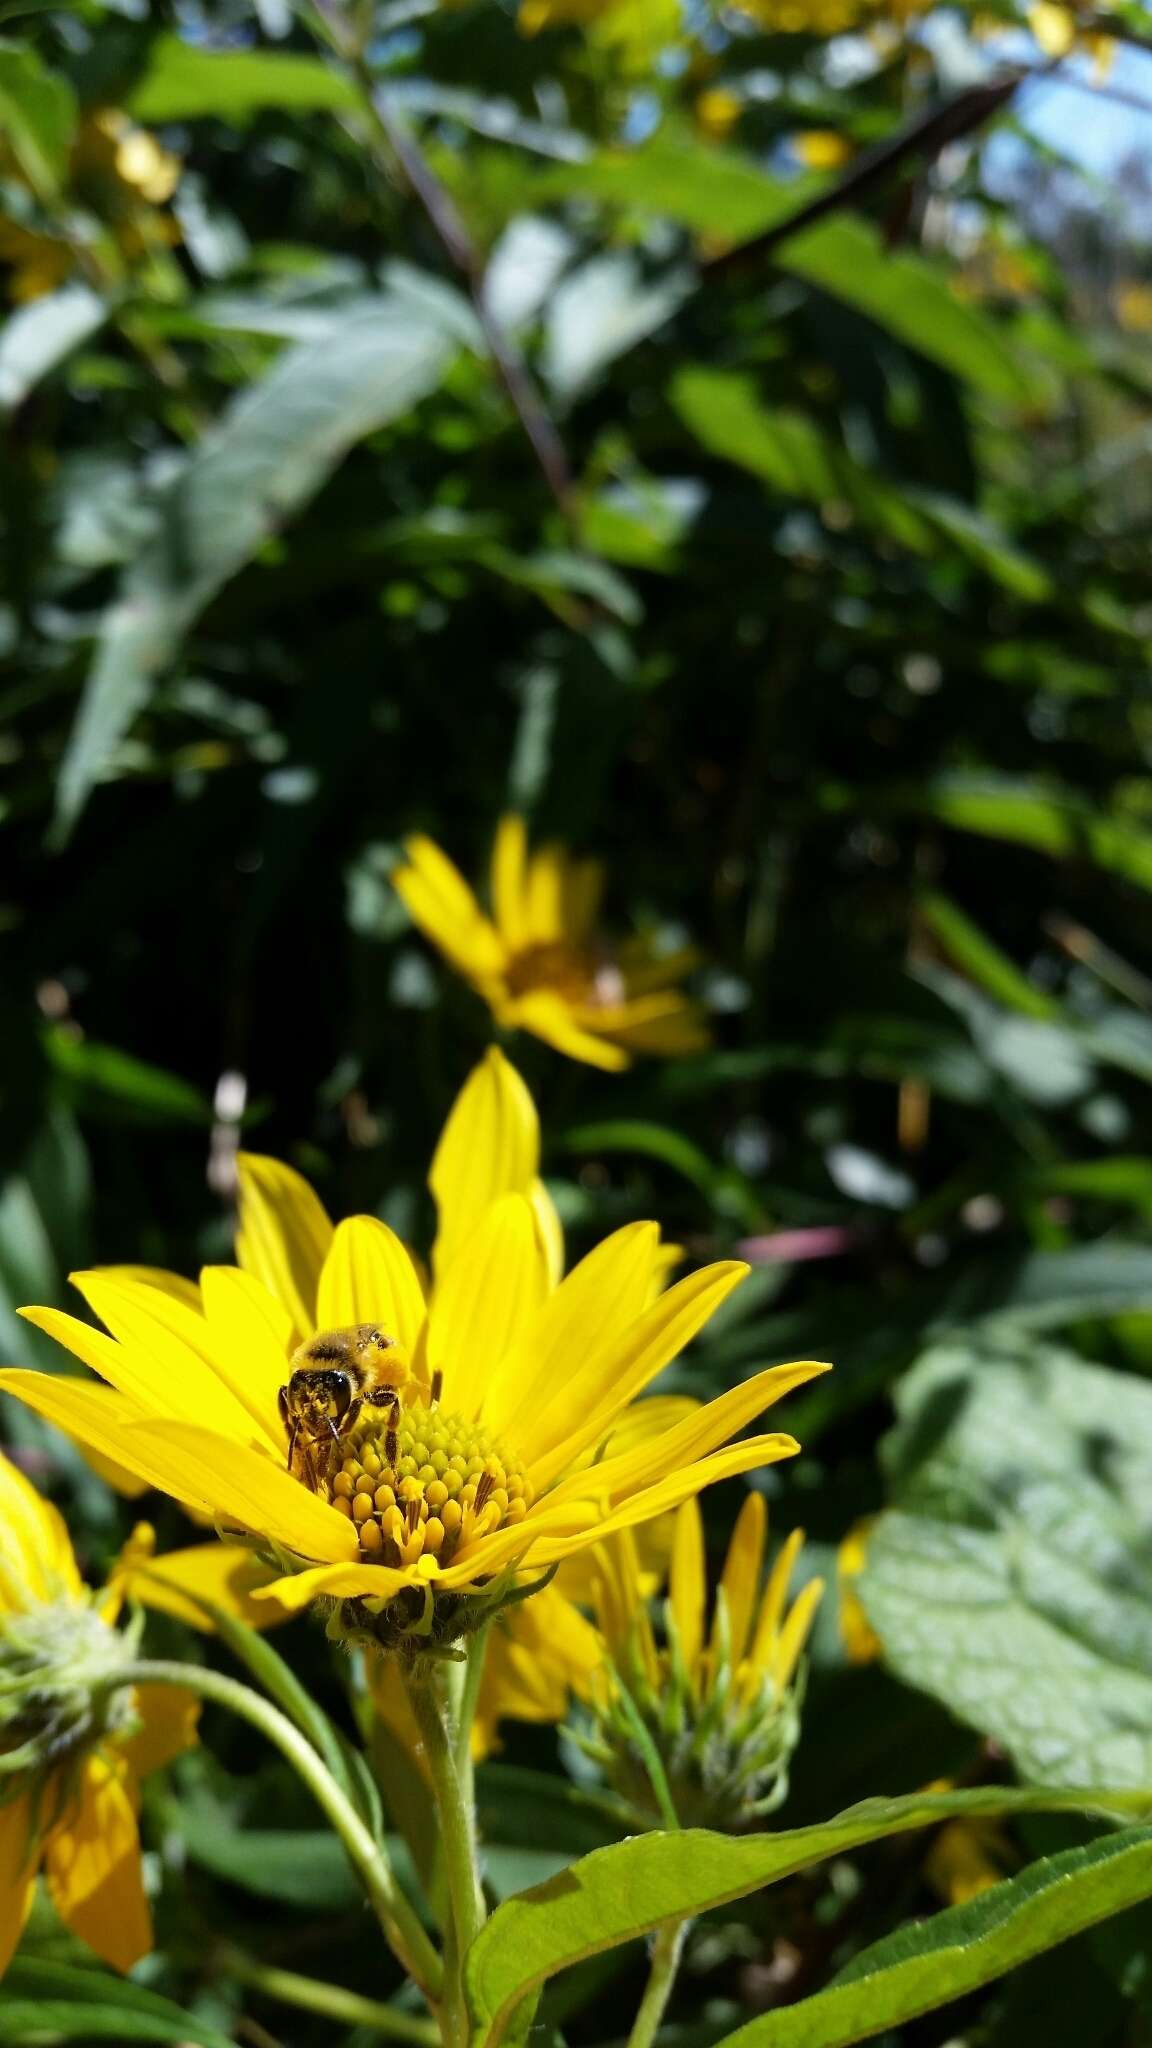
{"type": "Point", "coordinates": [124, 177]}
{"type": "Point", "coordinates": [73, 1745]}
{"type": "Point", "coordinates": [1132, 305]}
{"type": "Point", "coordinates": [635, 29]}
{"type": "Point", "coordinates": [822, 149]}
{"type": "Point", "coordinates": [535, 960]}
{"type": "Point", "coordinates": [418, 1510]}
{"type": "Point", "coordinates": [861, 1643]}
{"type": "Point", "coordinates": [717, 111]}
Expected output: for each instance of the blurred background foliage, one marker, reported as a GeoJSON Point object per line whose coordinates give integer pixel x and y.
{"type": "Point", "coordinates": [723, 437]}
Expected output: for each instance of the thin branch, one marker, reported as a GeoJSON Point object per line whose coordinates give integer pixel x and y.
{"type": "Point", "coordinates": [926, 136]}
{"type": "Point", "coordinates": [458, 245]}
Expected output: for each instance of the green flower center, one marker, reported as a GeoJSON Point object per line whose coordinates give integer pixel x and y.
{"type": "Point", "coordinates": [429, 1485]}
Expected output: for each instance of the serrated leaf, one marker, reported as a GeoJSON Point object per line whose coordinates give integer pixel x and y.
{"type": "Point", "coordinates": [267, 455]}
{"type": "Point", "coordinates": [935, 1961]}
{"type": "Point", "coordinates": [620, 1893]}
{"type": "Point", "coordinates": [1013, 1581]}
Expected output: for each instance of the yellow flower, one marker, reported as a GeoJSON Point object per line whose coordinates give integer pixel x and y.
{"type": "Point", "coordinates": [420, 1510]}
{"type": "Point", "coordinates": [822, 149]}
{"type": "Point", "coordinates": [635, 29]}
{"type": "Point", "coordinates": [862, 1645]}
{"type": "Point", "coordinates": [535, 960]}
{"type": "Point", "coordinates": [73, 1745]}
{"type": "Point", "coordinates": [719, 1699]}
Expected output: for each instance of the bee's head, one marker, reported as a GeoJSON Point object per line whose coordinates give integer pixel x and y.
{"type": "Point", "coordinates": [320, 1393]}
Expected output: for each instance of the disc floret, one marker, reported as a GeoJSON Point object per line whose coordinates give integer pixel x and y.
{"type": "Point", "coordinates": [427, 1487]}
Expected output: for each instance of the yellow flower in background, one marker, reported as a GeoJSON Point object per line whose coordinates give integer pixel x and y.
{"type": "Point", "coordinates": [121, 175]}
{"type": "Point", "coordinates": [634, 29]}
{"type": "Point", "coordinates": [73, 1745]}
{"type": "Point", "coordinates": [432, 1447]}
{"type": "Point", "coordinates": [535, 960]}
{"type": "Point", "coordinates": [822, 149]}
{"type": "Point", "coordinates": [861, 1643]}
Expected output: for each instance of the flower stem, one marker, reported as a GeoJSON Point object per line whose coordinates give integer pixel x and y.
{"type": "Point", "coordinates": [667, 1950]}
{"type": "Point", "coordinates": [351, 2008]}
{"type": "Point", "coordinates": [437, 1699]}
{"type": "Point", "coordinates": [397, 1918]}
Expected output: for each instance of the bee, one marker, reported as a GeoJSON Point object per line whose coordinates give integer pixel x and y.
{"type": "Point", "coordinates": [333, 1377]}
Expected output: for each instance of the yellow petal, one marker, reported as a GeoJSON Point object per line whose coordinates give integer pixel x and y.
{"type": "Point", "coordinates": [665, 1023]}
{"type": "Point", "coordinates": [599, 1301]}
{"type": "Point", "coordinates": [547, 1016]}
{"type": "Point", "coordinates": [795, 1631]}
{"type": "Point", "coordinates": [283, 1236]}
{"type": "Point", "coordinates": [740, 1579]}
{"type": "Point", "coordinates": [509, 881]}
{"type": "Point", "coordinates": [746, 1456]}
{"type": "Point", "coordinates": [369, 1277]}
{"type": "Point", "coordinates": [334, 1582]}
{"type": "Point", "coordinates": [772, 1605]}
{"type": "Point", "coordinates": [241, 1487]}
{"type": "Point", "coordinates": [251, 1334]}
{"type": "Point", "coordinates": [618, 1599]}
{"type": "Point", "coordinates": [174, 1284]}
{"type": "Point", "coordinates": [613, 1373]}
{"type": "Point", "coordinates": [36, 1560]}
{"type": "Point", "coordinates": [17, 1875]}
{"type": "Point", "coordinates": [225, 1574]}
{"type": "Point", "coordinates": [96, 1417]}
{"type": "Point", "coordinates": [490, 1146]}
{"type": "Point", "coordinates": [485, 1299]}
{"type": "Point", "coordinates": [583, 889]}
{"type": "Point", "coordinates": [438, 899]}
{"type": "Point", "coordinates": [92, 1867]}
{"type": "Point", "coordinates": [545, 896]}
{"type": "Point", "coordinates": [551, 1230]}
{"type": "Point", "coordinates": [169, 1716]}
{"type": "Point", "coordinates": [698, 1433]}
{"type": "Point", "coordinates": [687, 1588]}
{"type": "Point", "coordinates": [539, 1653]}
{"type": "Point", "coordinates": [163, 1356]}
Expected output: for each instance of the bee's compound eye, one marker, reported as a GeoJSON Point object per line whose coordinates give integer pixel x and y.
{"type": "Point", "coordinates": [341, 1391]}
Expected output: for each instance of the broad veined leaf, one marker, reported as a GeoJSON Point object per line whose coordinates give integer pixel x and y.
{"type": "Point", "coordinates": [35, 338]}
{"type": "Point", "coordinates": [931, 1962]}
{"type": "Point", "coordinates": [600, 311]}
{"type": "Point", "coordinates": [64, 2002]}
{"type": "Point", "coordinates": [619, 1893]}
{"type": "Point", "coordinates": [265, 457]}
{"type": "Point", "coordinates": [1013, 1580]}
{"type": "Point", "coordinates": [184, 82]}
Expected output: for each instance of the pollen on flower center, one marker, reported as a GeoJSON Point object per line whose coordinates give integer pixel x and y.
{"type": "Point", "coordinates": [429, 1486]}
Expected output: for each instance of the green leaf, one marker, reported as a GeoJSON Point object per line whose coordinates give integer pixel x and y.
{"type": "Point", "coordinates": [1013, 1580]}
{"type": "Point", "coordinates": [1050, 820]}
{"type": "Point", "coordinates": [784, 447]}
{"type": "Point", "coordinates": [980, 957]}
{"type": "Point", "coordinates": [61, 2001]}
{"type": "Point", "coordinates": [267, 455]}
{"type": "Point", "coordinates": [724, 1186]}
{"type": "Point", "coordinates": [620, 1893]}
{"type": "Point", "coordinates": [717, 192]}
{"type": "Point", "coordinates": [36, 338]}
{"type": "Point", "coordinates": [184, 83]}
{"type": "Point", "coordinates": [37, 117]}
{"type": "Point", "coordinates": [295, 1866]}
{"type": "Point", "coordinates": [932, 1962]}
{"type": "Point", "coordinates": [103, 1075]}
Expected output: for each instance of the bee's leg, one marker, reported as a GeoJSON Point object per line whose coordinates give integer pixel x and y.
{"type": "Point", "coordinates": [348, 1420]}
{"type": "Point", "coordinates": [391, 1434]}
{"type": "Point", "coordinates": [290, 1426]}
